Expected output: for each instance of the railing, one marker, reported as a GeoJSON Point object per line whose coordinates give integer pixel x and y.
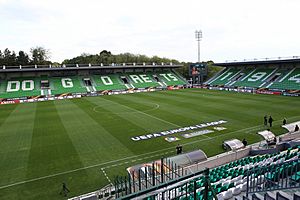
{"type": "Point", "coordinates": [147, 176]}
{"type": "Point", "coordinates": [264, 59]}
{"type": "Point", "coordinates": [145, 182]}
{"type": "Point", "coordinates": [185, 186]}
{"type": "Point", "coordinates": [285, 175]}
{"type": "Point", "coordinates": [20, 67]}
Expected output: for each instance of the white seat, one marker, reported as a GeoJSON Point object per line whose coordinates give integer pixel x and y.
{"type": "Point", "coordinates": [236, 190]}
{"type": "Point", "coordinates": [297, 195]}
{"type": "Point", "coordinates": [270, 196]}
{"type": "Point", "coordinates": [220, 196]}
{"type": "Point", "coordinates": [256, 196]}
{"type": "Point", "coordinates": [234, 179]}
{"type": "Point", "coordinates": [227, 194]}
{"type": "Point", "coordinates": [226, 182]}
{"type": "Point", "coordinates": [243, 187]}
{"type": "Point", "coordinates": [238, 182]}
{"type": "Point", "coordinates": [284, 196]}
{"type": "Point", "coordinates": [240, 177]}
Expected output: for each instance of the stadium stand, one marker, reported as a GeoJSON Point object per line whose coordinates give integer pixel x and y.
{"type": "Point", "coordinates": [108, 82]}
{"type": "Point", "coordinates": [280, 75]}
{"type": "Point", "coordinates": [20, 87]}
{"type": "Point", "coordinates": [142, 80]}
{"type": "Point", "coordinates": [171, 79]}
{"type": "Point", "coordinates": [247, 176]}
{"type": "Point", "coordinates": [256, 78]}
{"type": "Point", "coordinates": [290, 80]}
{"type": "Point", "coordinates": [225, 77]}
{"type": "Point", "coordinates": [62, 85]}
{"type": "Point", "coordinates": [48, 85]}
{"type": "Point", "coordinates": [260, 78]}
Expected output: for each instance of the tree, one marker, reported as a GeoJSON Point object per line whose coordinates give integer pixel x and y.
{"type": "Point", "coordinates": [40, 55]}
{"type": "Point", "coordinates": [1, 58]}
{"type": "Point", "coordinates": [212, 69]}
{"type": "Point", "coordinates": [23, 58]}
{"type": "Point", "coordinates": [105, 57]}
{"type": "Point", "coordinates": [9, 58]}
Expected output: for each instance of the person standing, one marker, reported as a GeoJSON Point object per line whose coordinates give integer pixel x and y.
{"type": "Point", "coordinates": [244, 142]}
{"type": "Point", "coordinates": [284, 121]}
{"type": "Point", "coordinates": [178, 149]}
{"type": "Point", "coordinates": [296, 128]}
{"type": "Point", "coordinates": [64, 190]}
{"type": "Point", "coordinates": [265, 120]}
{"type": "Point", "coordinates": [270, 121]}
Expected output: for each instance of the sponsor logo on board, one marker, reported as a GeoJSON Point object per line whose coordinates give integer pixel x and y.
{"type": "Point", "coordinates": [197, 133]}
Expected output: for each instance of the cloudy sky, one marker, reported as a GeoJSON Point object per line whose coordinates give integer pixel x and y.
{"type": "Point", "coordinates": [232, 29]}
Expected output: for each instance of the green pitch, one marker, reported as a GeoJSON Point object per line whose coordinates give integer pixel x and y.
{"type": "Point", "coordinates": [75, 141]}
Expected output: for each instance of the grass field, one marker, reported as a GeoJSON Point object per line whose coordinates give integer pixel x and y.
{"type": "Point", "coordinates": [44, 144]}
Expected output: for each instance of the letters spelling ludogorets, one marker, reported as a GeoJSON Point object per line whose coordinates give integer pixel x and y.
{"type": "Point", "coordinates": [179, 130]}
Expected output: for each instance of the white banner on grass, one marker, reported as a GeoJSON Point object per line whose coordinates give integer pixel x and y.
{"type": "Point", "coordinates": [179, 130]}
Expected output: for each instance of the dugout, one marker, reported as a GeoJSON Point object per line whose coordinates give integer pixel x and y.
{"type": "Point", "coordinates": [188, 158]}
{"type": "Point", "coordinates": [291, 127]}
{"type": "Point", "coordinates": [233, 144]}
{"type": "Point", "coordinates": [268, 136]}
{"type": "Point", "coordinates": [168, 164]}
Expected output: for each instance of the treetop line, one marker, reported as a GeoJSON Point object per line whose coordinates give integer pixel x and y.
{"type": "Point", "coordinates": [41, 56]}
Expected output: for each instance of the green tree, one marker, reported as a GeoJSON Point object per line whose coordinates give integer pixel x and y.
{"type": "Point", "coordinates": [9, 58]}
{"type": "Point", "coordinates": [23, 58]}
{"type": "Point", "coordinates": [105, 57]}
{"type": "Point", "coordinates": [40, 55]}
{"type": "Point", "coordinates": [1, 57]}
{"type": "Point", "coordinates": [212, 69]}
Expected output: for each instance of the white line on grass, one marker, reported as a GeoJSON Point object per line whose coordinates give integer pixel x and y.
{"type": "Point", "coordinates": [151, 109]}
{"type": "Point", "coordinates": [132, 161]}
{"type": "Point", "coordinates": [103, 171]}
{"type": "Point", "coordinates": [130, 157]}
{"type": "Point", "coordinates": [138, 111]}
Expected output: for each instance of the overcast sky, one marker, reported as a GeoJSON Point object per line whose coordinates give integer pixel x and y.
{"type": "Point", "coordinates": [232, 29]}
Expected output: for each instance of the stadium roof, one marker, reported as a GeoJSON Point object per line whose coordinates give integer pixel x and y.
{"type": "Point", "coordinates": [266, 61]}
{"type": "Point", "coordinates": [31, 68]}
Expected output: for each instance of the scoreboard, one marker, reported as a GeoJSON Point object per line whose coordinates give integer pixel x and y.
{"type": "Point", "coordinates": [197, 71]}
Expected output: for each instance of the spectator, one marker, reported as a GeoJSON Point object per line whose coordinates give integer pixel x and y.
{"type": "Point", "coordinates": [265, 120]}
{"type": "Point", "coordinates": [284, 122]}
{"type": "Point", "coordinates": [64, 190]}
{"type": "Point", "coordinates": [244, 142]}
{"type": "Point", "coordinates": [178, 149]}
{"type": "Point", "coordinates": [296, 128]}
{"type": "Point", "coordinates": [270, 120]}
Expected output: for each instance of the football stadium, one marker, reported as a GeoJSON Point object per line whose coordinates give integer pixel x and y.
{"type": "Point", "coordinates": [112, 132]}
{"type": "Point", "coordinates": [155, 124]}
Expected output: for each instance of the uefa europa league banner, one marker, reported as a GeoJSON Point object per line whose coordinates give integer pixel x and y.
{"type": "Point", "coordinates": [179, 130]}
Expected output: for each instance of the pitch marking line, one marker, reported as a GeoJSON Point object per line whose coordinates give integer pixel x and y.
{"type": "Point", "coordinates": [125, 112]}
{"type": "Point", "coordinates": [132, 161]}
{"type": "Point", "coordinates": [103, 171]}
{"type": "Point", "coordinates": [130, 157]}
{"type": "Point", "coordinates": [138, 111]}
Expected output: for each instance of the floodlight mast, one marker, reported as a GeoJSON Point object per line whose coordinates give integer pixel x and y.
{"type": "Point", "coordinates": [198, 36]}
